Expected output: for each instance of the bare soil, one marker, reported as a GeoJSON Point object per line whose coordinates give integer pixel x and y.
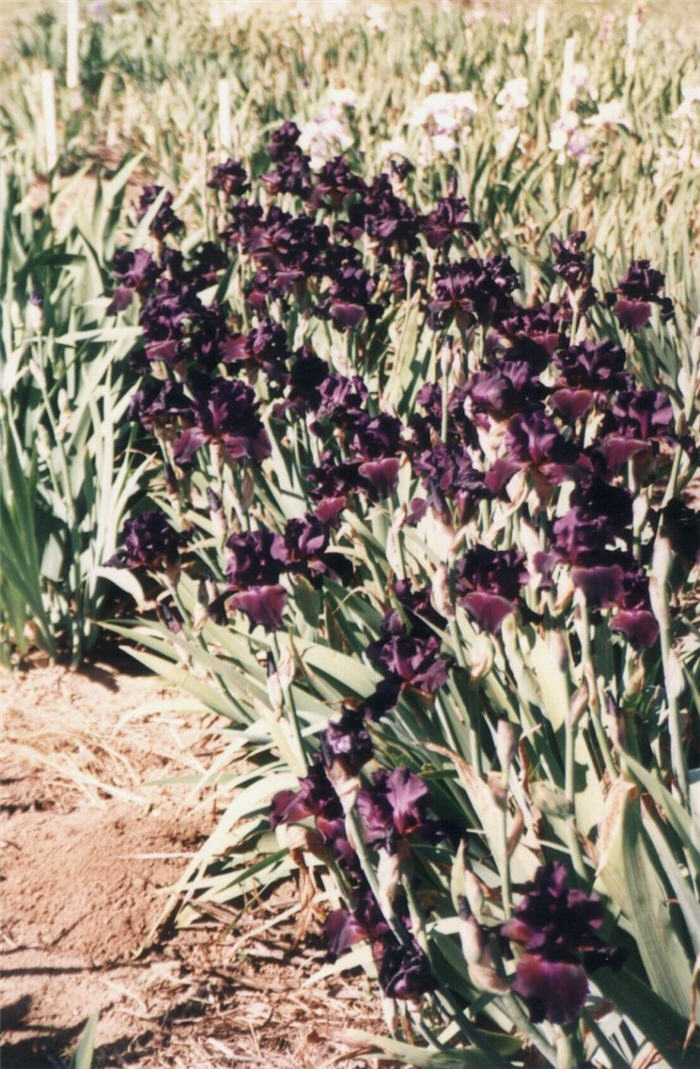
{"type": "Point", "coordinates": [90, 847]}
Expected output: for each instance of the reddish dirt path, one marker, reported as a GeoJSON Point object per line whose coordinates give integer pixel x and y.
{"type": "Point", "coordinates": [89, 851]}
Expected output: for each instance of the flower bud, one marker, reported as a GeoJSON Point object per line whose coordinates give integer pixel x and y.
{"type": "Point", "coordinates": [440, 592]}
{"type": "Point", "coordinates": [499, 791]}
{"type": "Point", "coordinates": [506, 742]}
{"type": "Point", "coordinates": [388, 874]}
{"type": "Point", "coordinates": [482, 654]}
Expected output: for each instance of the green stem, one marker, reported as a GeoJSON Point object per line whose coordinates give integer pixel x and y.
{"type": "Point", "coordinates": [290, 705]}
{"type": "Point", "coordinates": [569, 791]}
{"type": "Point", "coordinates": [594, 702]}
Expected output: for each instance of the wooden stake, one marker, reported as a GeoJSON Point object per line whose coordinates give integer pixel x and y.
{"type": "Point", "coordinates": [48, 100]}
{"type": "Point", "coordinates": [567, 92]}
{"type": "Point", "coordinates": [72, 38]}
{"type": "Point", "coordinates": [540, 24]}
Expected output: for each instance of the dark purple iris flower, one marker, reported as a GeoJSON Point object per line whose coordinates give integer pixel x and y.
{"type": "Point", "coordinates": [225, 413]}
{"type": "Point", "coordinates": [448, 220]}
{"type": "Point", "coordinates": [376, 436]}
{"type": "Point", "coordinates": [165, 221]}
{"type": "Point", "coordinates": [495, 392]}
{"type": "Point", "coordinates": [334, 836]}
{"type": "Point", "coordinates": [606, 577]}
{"type": "Point", "coordinates": [487, 582]}
{"type": "Point", "coordinates": [263, 605]}
{"type": "Point", "coordinates": [533, 443]}
{"type": "Point", "coordinates": [586, 370]}
{"type": "Point", "coordinates": [333, 478]}
{"type": "Point", "coordinates": [395, 805]}
{"type": "Point", "coordinates": [575, 267]}
{"type": "Point", "coordinates": [136, 270]}
{"type": "Point", "coordinates": [342, 398]}
{"type": "Point", "coordinates": [404, 971]}
{"type": "Point", "coordinates": [230, 177]}
{"type": "Point", "coordinates": [390, 221]}
{"type": "Point", "coordinates": [306, 550]}
{"type": "Point", "coordinates": [245, 217]}
{"type": "Point", "coordinates": [291, 175]}
{"type": "Point", "coordinates": [380, 477]}
{"type": "Point", "coordinates": [258, 559]}
{"type": "Point", "coordinates": [410, 660]}
{"type": "Point", "coordinates": [473, 291]}
{"type": "Point", "coordinates": [283, 141]}
{"type": "Point", "coordinates": [543, 325]}
{"type": "Point", "coordinates": [558, 929]}
{"type": "Point", "coordinates": [592, 365]}
{"type": "Point", "coordinates": [343, 929]}
{"type": "Point", "coordinates": [148, 540]}
{"type": "Point", "coordinates": [381, 701]}
{"type": "Point", "coordinates": [314, 796]}
{"type": "Point", "coordinates": [208, 259]}
{"type": "Point", "coordinates": [264, 347]}
{"type": "Point", "coordinates": [681, 525]}
{"type": "Point", "coordinates": [306, 374]}
{"type": "Point", "coordinates": [349, 301]}
{"type": "Point", "coordinates": [334, 182]}
{"type": "Point", "coordinates": [447, 473]}
{"type": "Point", "coordinates": [347, 742]}
{"type": "Point", "coordinates": [637, 420]}
{"type": "Point", "coordinates": [159, 405]}
{"type": "Point", "coordinates": [632, 298]}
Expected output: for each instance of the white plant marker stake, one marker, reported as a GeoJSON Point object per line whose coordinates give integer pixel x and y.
{"type": "Point", "coordinates": [225, 113]}
{"type": "Point", "coordinates": [540, 24]}
{"type": "Point", "coordinates": [72, 36]}
{"type": "Point", "coordinates": [567, 89]}
{"type": "Point", "coordinates": [632, 28]}
{"type": "Point", "coordinates": [48, 100]}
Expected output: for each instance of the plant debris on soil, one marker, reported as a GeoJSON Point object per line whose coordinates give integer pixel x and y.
{"type": "Point", "coordinates": [91, 847]}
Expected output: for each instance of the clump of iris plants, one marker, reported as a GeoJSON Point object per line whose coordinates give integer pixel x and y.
{"type": "Point", "coordinates": [375, 447]}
